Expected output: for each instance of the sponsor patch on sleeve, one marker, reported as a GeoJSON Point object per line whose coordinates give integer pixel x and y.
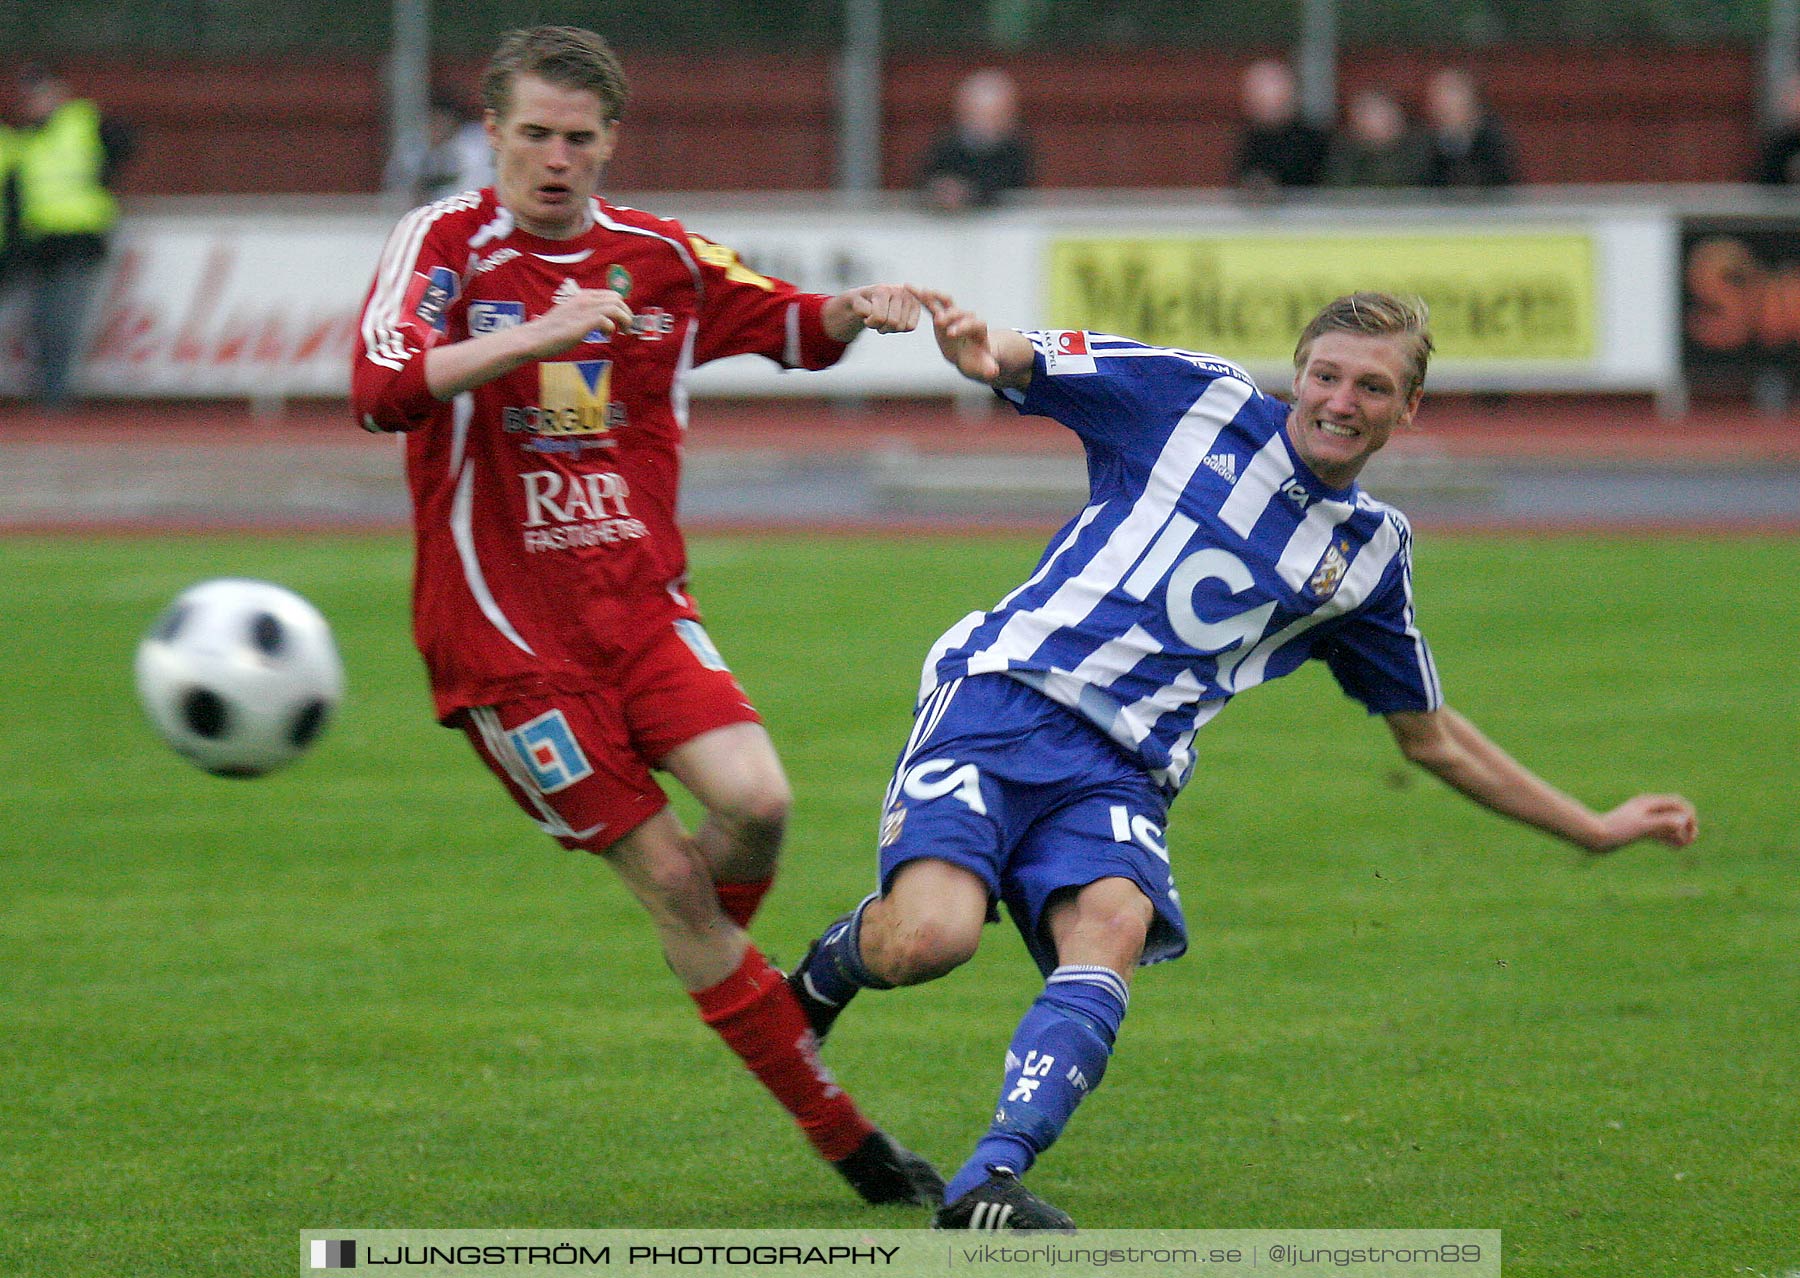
{"type": "Point", "coordinates": [893, 823]}
{"type": "Point", "coordinates": [1066, 353]}
{"type": "Point", "coordinates": [431, 294]}
{"type": "Point", "coordinates": [728, 261]}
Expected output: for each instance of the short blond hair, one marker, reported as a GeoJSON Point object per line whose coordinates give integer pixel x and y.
{"type": "Point", "coordinates": [568, 57]}
{"type": "Point", "coordinates": [1375, 315]}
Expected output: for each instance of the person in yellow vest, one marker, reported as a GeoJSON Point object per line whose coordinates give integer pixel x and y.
{"type": "Point", "coordinates": [60, 164]}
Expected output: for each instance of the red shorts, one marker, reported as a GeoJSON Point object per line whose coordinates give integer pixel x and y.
{"type": "Point", "coordinates": [580, 763]}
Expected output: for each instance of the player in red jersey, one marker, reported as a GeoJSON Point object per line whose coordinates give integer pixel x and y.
{"type": "Point", "coordinates": [534, 341]}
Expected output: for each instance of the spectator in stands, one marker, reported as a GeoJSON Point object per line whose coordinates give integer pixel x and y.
{"type": "Point", "coordinates": [1378, 146]}
{"type": "Point", "coordinates": [1277, 147]}
{"type": "Point", "coordinates": [456, 156]}
{"type": "Point", "coordinates": [60, 163]}
{"type": "Point", "coordinates": [1779, 162]}
{"type": "Point", "coordinates": [985, 156]}
{"type": "Point", "coordinates": [1468, 144]}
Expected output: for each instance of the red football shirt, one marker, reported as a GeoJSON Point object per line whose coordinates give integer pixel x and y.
{"type": "Point", "coordinates": [544, 501]}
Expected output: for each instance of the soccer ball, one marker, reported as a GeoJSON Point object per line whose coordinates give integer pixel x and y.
{"type": "Point", "coordinates": [239, 676]}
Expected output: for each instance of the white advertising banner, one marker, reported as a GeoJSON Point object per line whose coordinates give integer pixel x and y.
{"type": "Point", "coordinates": [262, 303]}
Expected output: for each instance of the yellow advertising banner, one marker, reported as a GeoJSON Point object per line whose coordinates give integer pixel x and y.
{"type": "Point", "coordinates": [1494, 298]}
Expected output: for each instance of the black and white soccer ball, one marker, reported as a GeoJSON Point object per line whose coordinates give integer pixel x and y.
{"type": "Point", "coordinates": [241, 677]}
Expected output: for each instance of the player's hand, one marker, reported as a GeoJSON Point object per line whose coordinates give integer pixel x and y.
{"type": "Point", "coordinates": [1666, 818]}
{"type": "Point", "coordinates": [885, 308]}
{"type": "Point", "coordinates": [963, 338]}
{"type": "Point", "coordinates": [584, 311]}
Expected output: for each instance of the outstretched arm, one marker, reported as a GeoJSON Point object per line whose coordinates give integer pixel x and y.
{"type": "Point", "coordinates": [1448, 745]}
{"type": "Point", "coordinates": [886, 308]}
{"type": "Point", "coordinates": [1000, 358]}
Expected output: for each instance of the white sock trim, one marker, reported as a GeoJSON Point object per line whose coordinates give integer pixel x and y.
{"type": "Point", "coordinates": [1102, 977]}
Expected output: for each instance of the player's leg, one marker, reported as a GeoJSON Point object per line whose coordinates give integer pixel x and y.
{"type": "Point", "coordinates": [927, 923]}
{"type": "Point", "coordinates": [737, 992]}
{"type": "Point", "coordinates": [687, 712]}
{"type": "Point", "coordinates": [1090, 888]}
{"type": "Point", "coordinates": [1057, 1056]}
{"type": "Point", "coordinates": [736, 775]}
{"type": "Point", "coordinates": [945, 825]}
{"type": "Point", "coordinates": [562, 765]}
{"type": "Point", "coordinates": [662, 868]}
{"type": "Point", "coordinates": [746, 1001]}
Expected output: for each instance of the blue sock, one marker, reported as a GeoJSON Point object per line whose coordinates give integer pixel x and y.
{"type": "Point", "coordinates": [835, 970]}
{"type": "Point", "coordinates": [1058, 1055]}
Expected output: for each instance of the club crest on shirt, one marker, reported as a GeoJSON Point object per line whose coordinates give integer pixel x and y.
{"type": "Point", "coordinates": [892, 822]}
{"type": "Point", "coordinates": [1329, 575]}
{"type": "Point", "coordinates": [618, 279]}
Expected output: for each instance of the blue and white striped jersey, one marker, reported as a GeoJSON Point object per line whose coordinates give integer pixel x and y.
{"type": "Point", "coordinates": [1208, 559]}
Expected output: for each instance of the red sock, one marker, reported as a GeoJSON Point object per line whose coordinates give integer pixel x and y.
{"type": "Point", "coordinates": [756, 1015]}
{"type": "Point", "coordinates": [740, 900]}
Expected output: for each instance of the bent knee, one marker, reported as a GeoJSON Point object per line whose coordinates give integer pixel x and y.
{"type": "Point", "coordinates": [916, 950]}
{"type": "Point", "coordinates": [1107, 922]}
{"type": "Point", "coordinates": [756, 813]}
{"type": "Point", "coordinates": [1125, 923]}
{"type": "Point", "coordinates": [764, 813]}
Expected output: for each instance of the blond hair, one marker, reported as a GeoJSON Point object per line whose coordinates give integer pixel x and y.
{"type": "Point", "coordinates": [568, 57]}
{"type": "Point", "coordinates": [1375, 315]}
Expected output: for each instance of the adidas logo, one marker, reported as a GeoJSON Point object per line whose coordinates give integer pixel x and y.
{"type": "Point", "coordinates": [1224, 465]}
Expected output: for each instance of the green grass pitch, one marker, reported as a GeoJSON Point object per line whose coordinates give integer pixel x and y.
{"type": "Point", "coordinates": [367, 993]}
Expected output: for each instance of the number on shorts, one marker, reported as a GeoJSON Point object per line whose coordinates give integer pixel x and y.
{"type": "Point", "coordinates": [1139, 829]}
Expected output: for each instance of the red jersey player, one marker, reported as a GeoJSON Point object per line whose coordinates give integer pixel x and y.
{"type": "Point", "coordinates": [534, 342]}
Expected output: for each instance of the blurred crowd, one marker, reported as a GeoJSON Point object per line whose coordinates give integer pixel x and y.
{"type": "Point", "coordinates": [1459, 141]}
{"type": "Point", "coordinates": [1454, 141]}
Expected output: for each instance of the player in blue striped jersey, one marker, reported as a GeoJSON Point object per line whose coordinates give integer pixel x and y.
{"type": "Point", "coordinates": [1224, 543]}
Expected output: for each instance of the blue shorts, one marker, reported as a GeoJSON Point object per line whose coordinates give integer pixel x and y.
{"type": "Point", "coordinates": [1033, 799]}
